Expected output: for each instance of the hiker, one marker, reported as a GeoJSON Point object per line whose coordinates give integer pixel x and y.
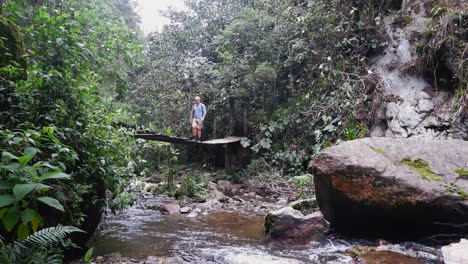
{"type": "Point", "coordinates": [197, 116]}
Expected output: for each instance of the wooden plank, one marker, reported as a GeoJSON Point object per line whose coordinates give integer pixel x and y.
{"type": "Point", "coordinates": [165, 138]}
{"type": "Point", "coordinates": [186, 141]}
{"type": "Point", "coordinates": [222, 141]}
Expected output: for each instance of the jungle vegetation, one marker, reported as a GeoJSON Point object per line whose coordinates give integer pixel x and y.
{"type": "Point", "coordinates": [289, 75]}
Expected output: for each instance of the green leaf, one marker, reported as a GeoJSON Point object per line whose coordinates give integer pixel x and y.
{"type": "Point", "coordinates": [45, 164]}
{"type": "Point", "coordinates": [27, 215]}
{"type": "Point", "coordinates": [54, 175]}
{"type": "Point", "coordinates": [43, 187]}
{"type": "Point", "coordinates": [6, 200]}
{"type": "Point", "coordinates": [23, 231]}
{"type": "Point", "coordinates": [12, 167]}
{"type": "Point", "coordinates": [29, 154]}
{"type": "Point", "coordinates": [88, 255]}
{"type": "Point", "coordinates": [51, 202]}
{"type": "Point", "coordinates": [4, 185]}
{"type": "Point", "coordinates": [21, 190]}
{"type": "Point", "coordinates": [36, 222]}
{"type": "Point", "coordinates": [3, 212]}
{"type": "Point", "coordinates": [31, 171]}
{"type": "Point", "coordinates": [11, 219]}
{"type": "Point", "coordinates": [8, 156]}
{"type": "Point", "coordinates": [31, 151]}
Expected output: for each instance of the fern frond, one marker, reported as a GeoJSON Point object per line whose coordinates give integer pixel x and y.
{"type": "Point", "coordinates": [46, 237]}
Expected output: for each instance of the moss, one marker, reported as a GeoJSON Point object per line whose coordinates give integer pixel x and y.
{"type": "Point", "coordinates": [11, 46]}
{"type": "Point", "coordinates": [359, 250]}
{"type": "Point", "coordinates": [270, 222]}
{"type": "Point", "coordinates": [463, 194]}
{"type": "Point", "coordinates": [380, 151]}
{"type": "Point", "coordinates": [422, 167]}
{"type": "Point", "coordinates": [462, 172]}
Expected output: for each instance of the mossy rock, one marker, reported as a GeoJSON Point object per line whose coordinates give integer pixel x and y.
{"type": "Point", "coordinates": [12, 48]}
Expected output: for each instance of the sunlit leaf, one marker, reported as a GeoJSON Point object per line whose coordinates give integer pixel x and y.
{"type": "Point", "coordinates": [51, 202]}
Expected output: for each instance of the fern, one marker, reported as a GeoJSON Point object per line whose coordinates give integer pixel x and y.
{"type": "Point", "coordinates": [37, 248]}
{"type": "Point", "coordinates": [48, 236]}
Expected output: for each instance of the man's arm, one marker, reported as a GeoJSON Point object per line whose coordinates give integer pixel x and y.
{"type": "Point", "coordinates": [191, 115]}
{"type": "Point", "coordinates": [204, 112]}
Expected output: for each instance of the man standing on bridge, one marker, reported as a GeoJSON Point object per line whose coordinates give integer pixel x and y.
{"type": "Point", "coordinates": [197, 117]}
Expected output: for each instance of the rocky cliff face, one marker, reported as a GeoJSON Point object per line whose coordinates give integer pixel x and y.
{"type": "Point", "coordinates": [423, 71]}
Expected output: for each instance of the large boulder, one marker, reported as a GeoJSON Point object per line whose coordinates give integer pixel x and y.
{"type": "Point", "coordinates": [291, 226]}
{"type": "Point", "coordinates": [456, 253]}
{"type": "Point", "coordinates": [394, 188]}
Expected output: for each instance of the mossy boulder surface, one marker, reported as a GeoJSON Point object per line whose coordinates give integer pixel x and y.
{"type": "Point", "coordinates": [412, 191]}
{"type": "Point", "coordinates": [11, 45]}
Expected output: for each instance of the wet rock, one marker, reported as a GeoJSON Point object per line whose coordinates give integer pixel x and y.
{"type": "Point", "coordinates": [282, 201]}
{"type": "Point", "coordinates": [305, 205]}
{"type": "Point", "coordinates": [227, 200]}
{"type": "Point", "coordinates": [291, 226]}
{"type": "Point", "coordinates": [359, 250]}
{"type": "Point", "coordinates": [194, 213]}
{"type": "Point", "coordinates": [251, 195]}
{"type": "Point", "coordinates": [203, 206]}
{"type": "Point", "coordinates": [376, 185]}
{"type": "Point", "coordinates": [170, 208]}
{"type": "Point", "coordinates": [215, 195]}
{"type": "Point", "coordinates": [99, 259]}
{"type": "Point", "coordinates": [185, 210]}
{"type": "Point", "coordinates": [386, 257]}
{"type": "Point", "coordinates": [456, 253]}
{"type": "Point", "coordinates": [212, 186]}
{"type": "Point", "coordinates": [237, 198]}
{"type": "Point", "coordinates": [153, 188]}
{"type": "Point", "coordinates": [224, 185]}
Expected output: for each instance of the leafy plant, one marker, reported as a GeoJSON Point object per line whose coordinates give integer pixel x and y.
{"type": "Point", "coordinates": [305, 185]}
{"type": "Point", "coordinates": [191, 185]}
{"type": "Point", "coordinates": [88, 255]}
{"type": "Point", "coordinates": [39, 247]}
{"type": "Point", "coordinates": [28, 181]}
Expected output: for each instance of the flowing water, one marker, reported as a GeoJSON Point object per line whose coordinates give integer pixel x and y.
{"type": "Point", "coordinates": [141, 232]}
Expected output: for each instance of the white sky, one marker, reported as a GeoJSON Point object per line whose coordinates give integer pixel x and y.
{"type": "Point", "coordinates": [151, 19]}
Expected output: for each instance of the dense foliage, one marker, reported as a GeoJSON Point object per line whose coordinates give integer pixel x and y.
{"type": "Point", "coordinates": [60, 152]}
{"type": "Point", "coordinates": [291, 75]}
{"type": "Point", "coordinates": [289, 72]}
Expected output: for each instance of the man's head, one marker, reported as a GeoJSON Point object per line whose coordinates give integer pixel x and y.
{"type": "Point", "coordinates": [197, 99]}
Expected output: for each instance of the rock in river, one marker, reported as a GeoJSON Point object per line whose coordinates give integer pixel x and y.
{"type": "Point", "coordinates": [456, 253]}
{"type": "Point", "coordinates": [386, 257]}
{"type": "Point", "coordinates": [170, 208]}
{"type": "Point", "coordinates": [291, 226]}
{"type": "Point", "coordinates": [394, 188]}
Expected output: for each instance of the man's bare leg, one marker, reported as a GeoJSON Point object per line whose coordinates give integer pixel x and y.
{"type": "Point", "coordinates": [199, 134]}
{"type": "Point", "coordinates": [194, 132]}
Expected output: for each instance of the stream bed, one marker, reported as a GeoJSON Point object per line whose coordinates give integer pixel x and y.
{"type": "Point", "coordinates": [143, 235]}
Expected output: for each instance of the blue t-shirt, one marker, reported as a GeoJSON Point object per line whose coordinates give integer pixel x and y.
{"type": "Point", "coordinates": [198, 111]}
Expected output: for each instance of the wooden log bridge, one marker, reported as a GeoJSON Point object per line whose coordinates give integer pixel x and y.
{"type": "Point", "coordinates": [235, 156]}
{"type": "Point", "coordinates": [186, 141]}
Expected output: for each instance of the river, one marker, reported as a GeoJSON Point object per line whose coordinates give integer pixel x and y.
{"type": "Point", "coordinates": [142, 234]}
